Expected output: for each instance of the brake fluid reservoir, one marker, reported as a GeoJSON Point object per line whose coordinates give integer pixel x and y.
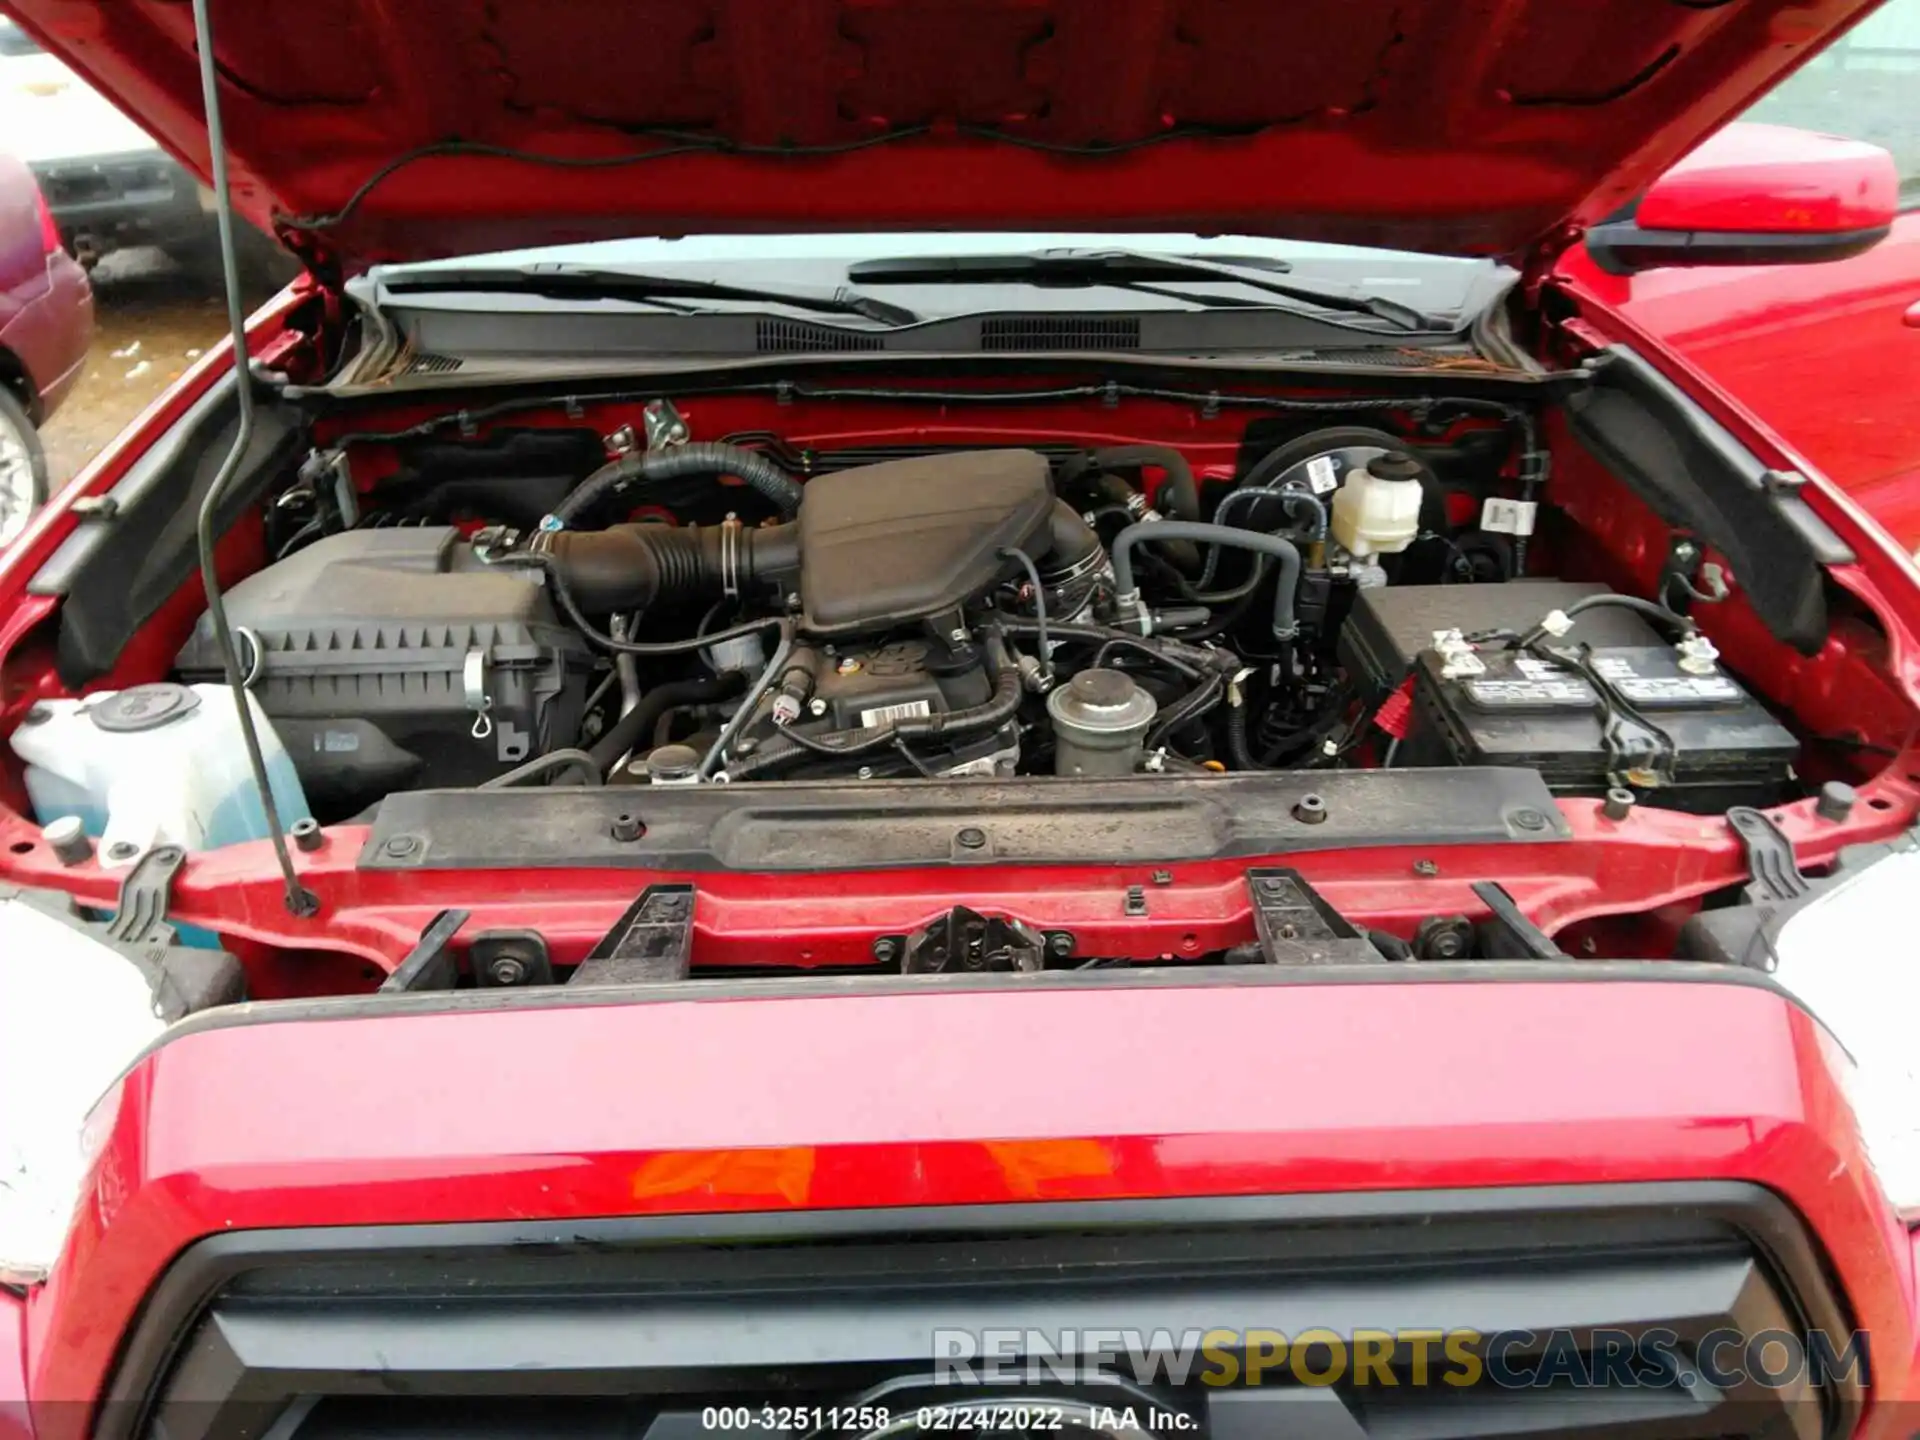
{"type": "Point", "coordinates": [152, 765]}
{"type": "Point", "coordinates": [1376, 511]}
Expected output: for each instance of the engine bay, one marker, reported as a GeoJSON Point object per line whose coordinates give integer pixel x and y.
{"type": "Point", "coordinates": [1415, 655]}
{"type": "Point", "coordinates": [696, 612]}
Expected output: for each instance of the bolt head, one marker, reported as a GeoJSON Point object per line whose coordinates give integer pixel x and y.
{"type": "Point", "coordinates": [122, 850]}
{"type": "Point", "coordinates": [972, 837]}
{"type": "Point", "coordinates": [1529, 820]}
{"type": "Point", "coordinates": [1426, 869]}
{"type": "Point", "coordinates": [626, 828]}
{"type": "Point", "coordinates": [68, 840]}
{"type": "Point", "coordinates": [507, 970]}
{"type": "Point", "coordinates": [885, 950]}
{"type": "Point", "coordinates": [816, 706]}
{"type": "Point", "coordinates": [1060, 944]}
{"type": "Point", "coordinates": [1836, 801]}
{"type": "Point", "coordinates": [401, 846]}
{"type": "Point", "coordinates": [1310, 810]}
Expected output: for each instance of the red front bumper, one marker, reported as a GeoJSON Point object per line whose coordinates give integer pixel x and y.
{"type": "Point", "coordinates": [1250, 1085]}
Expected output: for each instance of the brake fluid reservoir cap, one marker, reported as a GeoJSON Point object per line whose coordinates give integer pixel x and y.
{"type": "Point", "coordinates": [142, 707]}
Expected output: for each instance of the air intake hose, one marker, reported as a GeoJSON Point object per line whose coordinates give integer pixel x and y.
{"type": "Point", "coordinates": [678, 462]}
{"type": "Point", "coordinates": [629, 567]}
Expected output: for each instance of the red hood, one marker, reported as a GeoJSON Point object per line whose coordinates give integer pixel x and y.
{"type": "Point", "coordinates": [1468, 126]}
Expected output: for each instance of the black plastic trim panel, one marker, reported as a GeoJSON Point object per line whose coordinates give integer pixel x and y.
{"type": "Point", "coordinates": [243, 1324]}
{"type": "Point", "coordinates": [137, 545]}
{"type": "Point", "coordinates": [878, 824]}
{"type": "Point", "coordinates": [1695, 475]}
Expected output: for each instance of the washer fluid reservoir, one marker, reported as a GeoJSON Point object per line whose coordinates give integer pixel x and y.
{"type": "Point", "coordinates": [154, 765]}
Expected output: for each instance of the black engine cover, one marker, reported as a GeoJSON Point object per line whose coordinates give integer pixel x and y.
{"type": "Point", "coordinates": [889, 544]}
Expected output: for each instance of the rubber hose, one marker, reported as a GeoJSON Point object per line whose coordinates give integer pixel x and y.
{"type": "Point", "coordinates": [629, 567]}
{"type": "Point", "coordinates": [541, 765]}
{"type": "Point", "coordinates": [1070, 539]}
{"type": "Point", "coordinates": [627, 732]}
{"type": "Point", "coordinates": [1179, 496]}
{"type": "Point", "coordinates": [677, 463]}
{"type": "Point", "coordinates": [990, 715]}
{"type": "Point", "coordinates": [1185, 711]}
{"type": "Point", "coordinates": [1175, 650]}
{"type": "Point", "coordinates": [1284, 625]}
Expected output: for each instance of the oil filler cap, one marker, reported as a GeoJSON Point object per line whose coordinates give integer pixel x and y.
{"type": "Point", "coordinates": [142, 707]}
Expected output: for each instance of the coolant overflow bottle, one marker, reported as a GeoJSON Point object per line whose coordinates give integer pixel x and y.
{"type": "Point", "coordinates": [1376, 511]}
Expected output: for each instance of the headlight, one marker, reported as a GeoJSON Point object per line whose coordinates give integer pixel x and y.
{"type": "Point", "coordinates": [74, 1013]}
{"type": "Point", "coordinates": [1849, 956]}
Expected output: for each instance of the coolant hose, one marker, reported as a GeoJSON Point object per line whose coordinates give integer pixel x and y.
{"type": "Point", "coordinates": [1179, 497]}
{"type": "Point", "coordinates": [678, 462]}
{"type": "Point", "coordinates": [630, 729]}
{"type": "Point", "coordinates": [1282, 550]}
{"type": "Point", "coordinates": [783, 750]}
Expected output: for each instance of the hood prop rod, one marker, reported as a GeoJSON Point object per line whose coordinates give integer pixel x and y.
{"type": "Point", "coordinates": [300, 900]}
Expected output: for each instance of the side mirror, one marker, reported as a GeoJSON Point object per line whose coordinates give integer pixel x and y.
{"type": "Point", "coordinates": [1756, 195]}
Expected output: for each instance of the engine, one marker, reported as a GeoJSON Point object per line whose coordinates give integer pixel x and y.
{"type": "Point", "coordinates": [695, 614]}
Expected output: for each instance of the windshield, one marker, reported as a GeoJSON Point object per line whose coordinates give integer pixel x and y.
{"type": "Point", "coordinates": [1370, 290]}
{"type": "Point", "coordinates": [646, 250]}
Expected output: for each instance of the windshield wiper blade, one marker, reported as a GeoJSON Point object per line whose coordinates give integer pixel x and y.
{"type": "Point", "coordinates": [1139, 270]}
{"type": "Point", "coordinates": [574, 282]}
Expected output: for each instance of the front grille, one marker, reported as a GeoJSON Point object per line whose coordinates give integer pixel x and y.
{"type": "Point", "coordinates": [1062, 332]}
{"type": "Point", "coordinates": [649, 1327]}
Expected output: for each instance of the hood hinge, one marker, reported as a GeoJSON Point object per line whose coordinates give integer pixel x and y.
{"type": "Point", "coordinates": [312, 251]}
{"type": "Point", "coordinates": [1537, 268]}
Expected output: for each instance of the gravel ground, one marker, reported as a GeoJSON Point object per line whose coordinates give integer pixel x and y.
{"type": "Point", "coordinates": [151, 322]}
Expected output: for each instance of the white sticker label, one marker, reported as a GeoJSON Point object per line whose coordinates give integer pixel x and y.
{"type": "Point", "coordinates": [1679, 689]}
{"type": "Point", "coordinates": [1521, 693]}
{"type": "Point", "coordinates": [1322, 474]}
{"type": "Point", "coordinates": [1536, 669]}
{"type": "Point", "coordinates": [1508, 517]}
{"type": "Point", "coordinates": [887, 714]}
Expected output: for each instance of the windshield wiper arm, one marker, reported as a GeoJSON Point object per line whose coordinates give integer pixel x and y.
{"type": "Point", "coordinates": [573, 282]}
{"type": "Point", "coordinates": [1137, 270]}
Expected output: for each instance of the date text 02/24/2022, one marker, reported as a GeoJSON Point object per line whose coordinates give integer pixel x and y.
{"type": "Point", "coordinates": [958, 1418]}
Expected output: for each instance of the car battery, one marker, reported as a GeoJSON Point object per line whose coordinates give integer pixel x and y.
{"type": "Point", "coordinates": [1717, 745]}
